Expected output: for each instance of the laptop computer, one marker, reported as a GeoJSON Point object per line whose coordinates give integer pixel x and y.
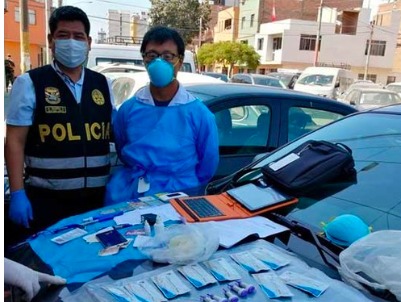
{"type": "Point", "coordinates": [242, 202]}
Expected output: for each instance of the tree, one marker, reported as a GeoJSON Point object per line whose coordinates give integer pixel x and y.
{"type": "Point", "coordinates": [183, 15]}
{"type": "Point", "coordinates": [228, 54]}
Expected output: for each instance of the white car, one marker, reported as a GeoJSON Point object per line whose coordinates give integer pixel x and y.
{"type": "Point", "coordinates": [126, 84]}
{"type": "Point", "coordinates": [118, 67]}
{"type": "Point", "coordinates": [396, 87]}
{"type": "Point", "coordinates": [369, 98]}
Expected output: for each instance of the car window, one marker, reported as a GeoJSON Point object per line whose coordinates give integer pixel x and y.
{"type": "Point", "coordinates": [241, 78]}
{"type": "Point", "coordinates": [353, 97]}
{"type": "Point", "coordinates": [122, 88]}
{"type": "Point", "coordinates": [396, 88]}
{"type": "Point", "coordinates": [243, 126]}
{"type": "Point", "coordinates": [268, 82]}
{"type": "Point", "coordinates": [302, 120]}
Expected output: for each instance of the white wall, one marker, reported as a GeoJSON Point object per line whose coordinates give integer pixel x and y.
{"type": "Point", "coordinates": [335, 48]}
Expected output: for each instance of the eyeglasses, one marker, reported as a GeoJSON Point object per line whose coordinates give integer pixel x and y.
{"type": "Point", "coordinates": [151, 55]}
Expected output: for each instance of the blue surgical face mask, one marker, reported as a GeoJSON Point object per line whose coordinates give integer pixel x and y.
{"type": "Point", "coordinates": [161, 72]}
{"type": "Point", "coordinates": [71, 53]}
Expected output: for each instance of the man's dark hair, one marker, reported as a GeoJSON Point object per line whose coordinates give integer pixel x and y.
{"type": "Point", "coordinates": [162, 34]}
{"type": "Point", "coordinates": [68, 13]}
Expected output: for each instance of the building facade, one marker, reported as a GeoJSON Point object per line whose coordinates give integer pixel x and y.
{"type": "Point", "coordinates": [384, 17]}
{"type": "Point", "coordinates": [119, 22]}
{"type": "Point", "coordinates": [290, 44]}
{"type": "Point", "coordinates": [139, 26]}
{"type": "Point", "coordinates": [37, 33]}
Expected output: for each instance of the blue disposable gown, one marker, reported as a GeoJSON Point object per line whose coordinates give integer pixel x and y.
{"type": "Point", "coordinates": [171, 148]}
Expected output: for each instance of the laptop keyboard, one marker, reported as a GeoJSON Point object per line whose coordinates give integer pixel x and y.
{"type": "Point", "coordinates": [202, 207]}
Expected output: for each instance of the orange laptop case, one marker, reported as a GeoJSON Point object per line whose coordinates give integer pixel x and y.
{"type": "Point", "coordinates": [227, 205]}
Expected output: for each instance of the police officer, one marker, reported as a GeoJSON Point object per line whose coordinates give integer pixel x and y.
{"type": "Point", "coordinates": [58, 130]}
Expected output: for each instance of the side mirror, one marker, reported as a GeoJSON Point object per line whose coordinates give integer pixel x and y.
{"type": "Point", "coordinates": [352, 102]}
{"type": "Point", "coordinates": [337, 85]}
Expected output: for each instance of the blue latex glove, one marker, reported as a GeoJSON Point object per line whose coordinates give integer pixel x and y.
{"type": "Point", "coordinates": [20, 208]}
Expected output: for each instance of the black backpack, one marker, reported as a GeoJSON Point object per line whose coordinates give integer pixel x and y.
{"type": "Point", "coordinates": [311, 164]}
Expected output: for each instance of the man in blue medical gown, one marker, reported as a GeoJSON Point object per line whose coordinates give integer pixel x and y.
{"type": "Point", "coordinates": [166, 138]}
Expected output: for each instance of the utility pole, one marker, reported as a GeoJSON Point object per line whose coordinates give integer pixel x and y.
{"type": "Point", "coordinates": [319, 27]}
{"type": "Point", "coordinates": [47, 57]}
{"type": "Point", "coordinates": [200, 33]}
{"type": "Point", "coordinates": [365, 75]}
{"type": "Point", "coordinates": [24, 36]}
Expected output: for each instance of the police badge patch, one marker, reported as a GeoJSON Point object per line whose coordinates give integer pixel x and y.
{"type": "Point", "coordinates": [97, 97]}
{"type": "Point", "coordinates": [52, 95]}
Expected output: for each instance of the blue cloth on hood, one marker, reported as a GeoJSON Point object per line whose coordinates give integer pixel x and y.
{"type": "Point", "coordinates": [173, 148]}
{"type": "Point", "coordinates": [77, 260]}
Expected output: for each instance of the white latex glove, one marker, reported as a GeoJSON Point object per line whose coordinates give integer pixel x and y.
{"type": "Point", "coordinates": [27, 279]}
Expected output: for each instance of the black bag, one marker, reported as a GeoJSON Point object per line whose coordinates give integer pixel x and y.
{"type": "Point", "coordinates": [311, 164]}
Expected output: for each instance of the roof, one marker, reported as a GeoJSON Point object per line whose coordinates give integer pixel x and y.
{"type": "Point", "coordinates": [394, 109]}
{"type": "Point", "coordinates": [369, 89]}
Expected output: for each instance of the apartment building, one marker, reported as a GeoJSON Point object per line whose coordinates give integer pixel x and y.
{"type": "Point", "coordinates": [384, 18]}
{"type": "Point", "coordinates": [253, 13]}
{"type": "Point", "coordinates": [290, 44]}
{"type": "Point", "coordinates": [119, 29]}
{"type": "Point", "coordinates": [139, 26]}
{"type": "Point", "coordinates": [37, 33]}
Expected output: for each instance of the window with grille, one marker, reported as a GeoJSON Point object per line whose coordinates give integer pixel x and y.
{"type": "Point", "coordinates": [307, 42]}
{"type": "Point", "coordinates": [31, 16]}
{"type": "Point", "coordinates": [378, 48]}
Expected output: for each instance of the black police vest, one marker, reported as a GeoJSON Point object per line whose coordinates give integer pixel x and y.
{"type": "Point", "coordinates": [67, 146]}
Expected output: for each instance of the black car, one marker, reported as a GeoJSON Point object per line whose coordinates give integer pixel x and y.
{"type": "Point", "coordinates": [373, 195]}
{"type": "Point", "coordinates": [254, 119]}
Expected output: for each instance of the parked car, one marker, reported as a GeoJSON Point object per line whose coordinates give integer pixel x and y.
{"type": "Point", "coordinates": [128, 54]}
{"type": "Point", "coordinates": [374, 137]}
{"type": "Point", "coordinates": [118, 67]}
{"type": "Point", "coordinates": [257, 79]}
{"type": "Point", "coordinates": [368, 98]}
{"type": "Point", "coordinates": [358, 84]}
{"type": "Point", "coordinates": [126, 84]}
{"type": "Point", "coordinates": [287, 78]}
{"type": "Point", "coordinates": [394, 87]}
{"type": "Point", "coordinates": [217, 75]}
{"type": "Point", "coordinates": [253, 119]}
{"type": "Point", "coordinates": [330, 82]}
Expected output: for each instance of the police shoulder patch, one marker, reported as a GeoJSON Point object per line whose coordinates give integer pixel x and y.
{"type": "Point", "coordinates": [98, 97]}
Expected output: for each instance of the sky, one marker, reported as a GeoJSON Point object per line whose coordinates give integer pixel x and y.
{"type": "Point", "coordinates": [97, 9]}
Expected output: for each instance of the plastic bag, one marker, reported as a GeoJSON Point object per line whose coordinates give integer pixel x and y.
{"type": "Point", "coordinates": [183, 244]}
{"type": "Point", "coordinates": [374, 261]}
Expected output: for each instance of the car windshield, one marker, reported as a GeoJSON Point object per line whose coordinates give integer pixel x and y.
{"type": "Point", "coordinates": [317, 79]}
{"type": "Point", "coordinates": [375, 140]}
{"type": "Point", "coordinates": [379, 98]}
{"type": "Point", "coordinates": [285, 78]}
